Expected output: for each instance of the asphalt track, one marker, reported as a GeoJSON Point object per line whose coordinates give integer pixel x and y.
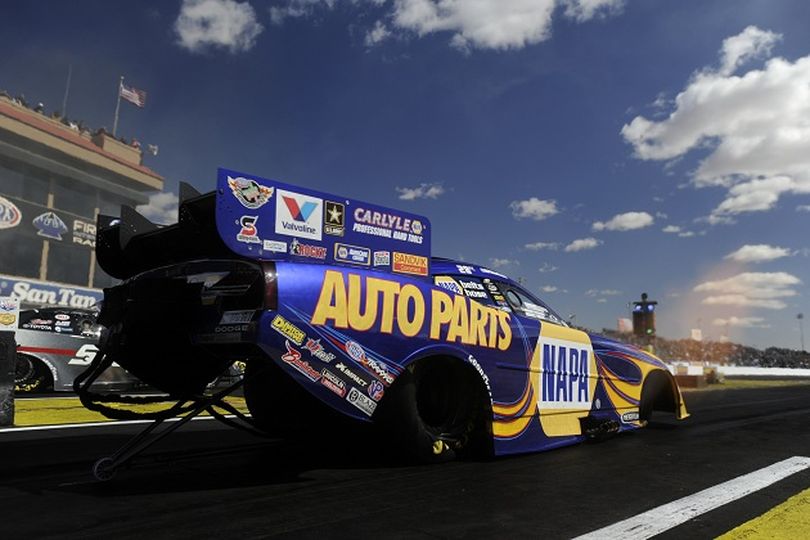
{"type": "Point", "coordinates": [211, 481]}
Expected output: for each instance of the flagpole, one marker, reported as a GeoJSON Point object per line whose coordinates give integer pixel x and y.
{"type": "Point", "coordinates": [67, 91]}
{"type": "Point", "coordinates": [117, 105]}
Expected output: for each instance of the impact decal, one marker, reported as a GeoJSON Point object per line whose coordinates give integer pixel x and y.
{"type": "Point", "coordinates": [249, 193]}
{"type": "Point", "coordinates": [249, 234]}
{"type": "Point", "coordinates": [293, 357]}
{"type": "Point", "coordinates": [352, 254]}
{"type": "Point", "coordinates": [362, 402]}
{"type": "Point", "coordinates": [407, 263]}
{"type": "Point", "coordinates": [288, 330]}
{"type": "Point", "coordinates": [299, 215]}
{"type": "Point", "coordinates": [351, 375]}
{"type": "Point", "coordinates": [10, 215]}
{"type": "Point", "coordinates": [49, 225]}
{"type": "Point", "coordinates": [387, 225]}
{"type": "Point", "coordinates": [365, 303]}
{"type": "Point", "coordinates": [334, 220]}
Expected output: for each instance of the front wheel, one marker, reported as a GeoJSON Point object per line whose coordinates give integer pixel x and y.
{"type": "Point", "coordinates": [31, 375]}
{"type": "Point", "coordinates": [434, 412]}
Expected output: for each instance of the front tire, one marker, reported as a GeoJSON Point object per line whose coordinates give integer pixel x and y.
{"type": "Point", "coordinates": [31, 376]}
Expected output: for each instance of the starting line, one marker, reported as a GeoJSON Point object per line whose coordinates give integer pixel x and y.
{"type": "Point", "coordinates": [667, 516]}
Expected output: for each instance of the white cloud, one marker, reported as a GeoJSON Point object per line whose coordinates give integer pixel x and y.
{"type": "Point", "coordinates": [742, 322]}
{"type": "Point", "coordinates": [753, 124]}
{"type": "Point", "coordinates": [803, 208]}
{"type": "Point", "coordinates": [625, 222]}
{"type": "Point", "coordinates": [495, 262]}
{"type": "Point", "coordinates": [422, 191]}
{"type": "Point", "coordinates": [751, 289]}
{"type": "Point", "coordinates": [758, 253]}
{"type": "Point", "coordinates": [686, 234]}
{"type": "Point", "coordinates": [601, 300]}
{"type": "Point", "coordinates": [585, 10]}
{"type": "Point", "coordinates": [671, 229]}
{"type": "Point", "coordinates": [546, 267]}
{"type": "Point", "coordinates": [161, 208]}
{"type": "Point", "coordinates": [537, 246]}
{"type": "Point", "coordinates": [604, 292]}
{"type": "Point", "coordinates": [747, 45]}
{"type": "Point", "coordinates": [377, 35]}
{"type": "Point", "coordinates": [581, 244]}
{"type": "Point", "coordinates": [470, 24]}
{"type": "Point", "coordinates": [223, 24]}
{"type": "Point", "coordinates": [534, 208]}
{"type": "Point", "coordinates": [549, 288]}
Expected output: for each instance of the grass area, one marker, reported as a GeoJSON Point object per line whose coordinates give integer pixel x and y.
{"type": "Point", "coordinates": [69, 410]}
{"type": "Point", "coordinates": [736, 384]}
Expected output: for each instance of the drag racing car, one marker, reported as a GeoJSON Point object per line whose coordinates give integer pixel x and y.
{"type": "Point", "coordinates": [55, 345]}
{"type": "Point", "coordinates": [340, 312]}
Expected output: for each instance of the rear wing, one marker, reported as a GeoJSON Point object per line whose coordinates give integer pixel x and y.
{"type": "Point", "coordinates": [260, 219]}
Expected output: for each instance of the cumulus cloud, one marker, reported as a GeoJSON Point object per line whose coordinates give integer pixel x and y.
{"type": "Point", "coordinates": [537, 246]}
{"type": "Point", "coordinates": [686, 234]}
{"type": "Point", "coordinates": [625, 222]}
{"type": "Point", "coordinates": [549, 288]}
{"type": "Point", "coordinates": [534, 208]}
{"type": "Point", "coordinates": [581, 244]}
{"type": "Point", "coordinates": [671, 229]}
{"type": "Point", "coordinates": [742, 322]}
{"type": "Point", "coordinates": [751, 289]}
{"type": "Point", "coordinates": [603, 292]}
{"type": "Point", "coordinates": [495, 262]}
{"type": "Point", "coordinates": [546, 267]}
{"type": "Point", "coordinates": [470, 24]}
{"type": "Point", "coordinates": [161, 208]}
{"type": "Point", "coordinates": [753, 124]}
{"type": "Point", "coordinates": [422, 191]}
{"type": "Point", "coordinates": [758, 253]}
{"type": "Point", "coordinates": [217, 24]}
{"type": "Point", "coordinates": [803, 208]}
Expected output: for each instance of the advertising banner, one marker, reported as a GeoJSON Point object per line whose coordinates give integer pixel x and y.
{"type": "Point", "coordinates": [19, 217]}
{"type": "Point", "coordinates": [35, 293]}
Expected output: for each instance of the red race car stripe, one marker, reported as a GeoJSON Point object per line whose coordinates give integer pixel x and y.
{"type": "Point", "coordinates": [62, 352]}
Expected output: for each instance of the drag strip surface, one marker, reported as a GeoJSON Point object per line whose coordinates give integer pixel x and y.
{"type": "Point", "coordinates": [207, 480]}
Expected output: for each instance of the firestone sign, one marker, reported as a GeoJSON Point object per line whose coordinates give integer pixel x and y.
{"type": "Point", "coordinates": [35, 293]}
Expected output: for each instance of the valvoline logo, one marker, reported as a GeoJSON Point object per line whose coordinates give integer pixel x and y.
{"type": "Point", "coordinates": [302, 212]}
{"type": "Point", "coordinates": [10, 215]}
{"type": "Point", "coordinates": [299, 215]}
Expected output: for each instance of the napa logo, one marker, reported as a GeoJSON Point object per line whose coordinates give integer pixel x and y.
{"type": "Point", "coordinates": [565, 374]}
{"type": "Point", "coordinates": [50, 226]}
{"type": "Point", "coordinates": [299, 215]}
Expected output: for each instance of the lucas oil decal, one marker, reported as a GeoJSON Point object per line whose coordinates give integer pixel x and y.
{"type": "Point", "coordinates": [363, 303]}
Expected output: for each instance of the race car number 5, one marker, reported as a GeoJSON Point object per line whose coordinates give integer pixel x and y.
{"type": "Point", "coordinates": [84, 355]}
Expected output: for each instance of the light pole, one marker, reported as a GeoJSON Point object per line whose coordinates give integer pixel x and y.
{"type": "Point", "coordinates": [800, 317]}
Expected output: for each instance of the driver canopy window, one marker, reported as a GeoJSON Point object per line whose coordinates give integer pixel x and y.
{"type": "Point", "coordinates": [528, 306]}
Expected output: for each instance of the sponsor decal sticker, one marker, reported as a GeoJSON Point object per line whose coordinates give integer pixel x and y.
{"type": "Point", "coordinates": [288, 330]}
{"type": "Point", "coordinates": [387, 225]}
{"type": "Point", "coordinates": [50, 226]}
{"type": "Point", "coordinates": [84, 233]}
{"type": "Point", "coordinates": [299, 215]}
{"type": "Point", "coordinates": [333, 382]}
{"type": "Point", "coordinates": [565, 375]}
{"type": "Point", "coordinates": [630, 417]}
{"type": "Point", "coordinates": [434, 313]}
{"type": "Point", "coordinates": [275, 246]}
{"type": "Point", "coordinates": [317, 350]}
{"type": "Point", "coordinates": [356, 353]}
{"type": "Point", "coordinates": [446, 282]}
{"type": "Point", "coordinates": [407, 263]}
{"type": "Point", "coordinates": [376, 390]}
{"type": "Point", "coordinates": [471, 359]}
{"type": "Point", "coordinates": [464, 269]}
{"type": "Point", "coordinates": [352, 254]}
{"type": "Point", "coordinates": [382, 258]}
{"type": "Point", "coordinates": [61, 317]}
{"type": "Point", "coordinates": [473, 289]}
{"type": "Point", "coordinates": [334, 220]}
{"type": "Point", "coordinates": [10, 215]}
{"type": "Point", "coordinates": [307, 250]}
{"type": "Point", "coordinates": [362, 402]}
{"type": "Point", "coordinates": [9, 313]}
{"type": "Point", "coordinates": [249, 234]}
{"type": "Point", "coordinates": [249, 193]}
{"type": "Point", "coordinates": [351, 375]}
{"type": "Point", "coordinates": [293, 357]}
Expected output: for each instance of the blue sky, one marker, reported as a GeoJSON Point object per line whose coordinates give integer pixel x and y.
{"type": "Point", "coordinates": [594, 148]}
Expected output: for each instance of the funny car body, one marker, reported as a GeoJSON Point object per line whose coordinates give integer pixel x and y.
{"type": "Point", "coordinates": [338, 309]}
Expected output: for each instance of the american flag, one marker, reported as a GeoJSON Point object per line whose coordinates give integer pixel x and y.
{"type": "Point", "coordinates": [133, 95]}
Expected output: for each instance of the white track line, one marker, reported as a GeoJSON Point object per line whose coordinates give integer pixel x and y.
{"type": "Point", "coordinates": [98, 424]}
{"type": "Point", "coordinates": [671, 515]}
